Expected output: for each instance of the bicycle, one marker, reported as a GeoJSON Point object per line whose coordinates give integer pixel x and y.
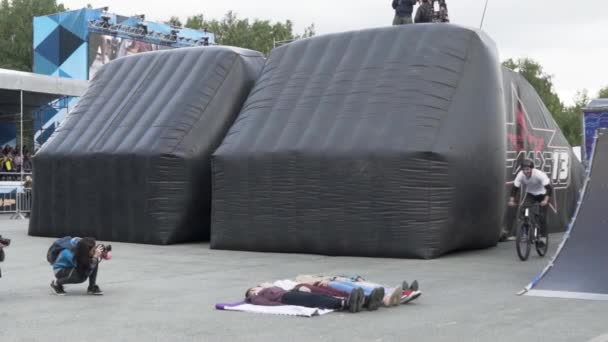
{"type": "Point", "coordinates": [528, 233]}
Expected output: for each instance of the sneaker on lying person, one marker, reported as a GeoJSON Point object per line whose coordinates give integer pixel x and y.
{"type": "Point", "coordinates": [413, 286]}
{"type": "Point", "coordinates": [375, 299]}
{"type": "Point", "coordinates": [394, 298]}
{"type": "Point", "coordinates": [410, 295]}
{"type": "Point", "coordinates": [353, 302]}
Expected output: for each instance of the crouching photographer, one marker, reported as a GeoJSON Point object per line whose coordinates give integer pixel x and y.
{"type": "Point", "coordinates": [4, 242]}
{"type": "Point", "coordinates": [75, 260]}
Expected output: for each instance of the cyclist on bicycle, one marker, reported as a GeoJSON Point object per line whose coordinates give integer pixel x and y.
{"type": "Point", "coordinates": [538, 190]}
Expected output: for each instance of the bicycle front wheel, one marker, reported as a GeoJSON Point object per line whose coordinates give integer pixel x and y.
{"type": "Point", "coordinates": [542, 244]}
{"type": "Point", "coordinates": [523, 243]}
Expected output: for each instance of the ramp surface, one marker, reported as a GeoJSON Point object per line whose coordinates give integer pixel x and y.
{"type": "Point", "coordinates": [578, 269]}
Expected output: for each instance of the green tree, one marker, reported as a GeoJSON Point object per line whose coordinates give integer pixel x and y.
{"type": "Point", "coordinates": [174, 21]}
{"type": "Point", "coordinates": [260, 35]}
{"type": "Point", "coordinates": [308, 31]}
{"type": "Point", "coordinates": [16, 30]}
{"type": "Point", "coordinates": [603, 94]}
{"type": "Point", "coordinates": [567, 118]}
{"type": "Point", "coordinates": [195, 22]}
{"type": "Point", "coordinates": [570, 118]}
{"type": "Point", "coordinates": [542, 82]}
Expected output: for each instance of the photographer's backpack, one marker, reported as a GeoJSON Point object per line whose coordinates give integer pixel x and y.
{"type": "Point", "coordinates": [58, 246]}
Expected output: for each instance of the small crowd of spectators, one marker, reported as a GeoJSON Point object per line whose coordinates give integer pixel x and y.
{"type": "Point", "coordinates": [429, 11]}
{"type": "Point", "coordinates": [11, 161]}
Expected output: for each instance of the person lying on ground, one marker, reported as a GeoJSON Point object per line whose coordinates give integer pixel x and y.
{"type": "Point", "coordinates": [289, 285]}
{"type": "Point", "coordinates": [408, 292]}
{"type": "Point", "coordinates": [391, 296]}
{"type": "Point", "coordinates": [272, 296]}
{"type": "Point", "coordinates": [357, 278]}
{"type": "Point", "coordinates": [374, 295]}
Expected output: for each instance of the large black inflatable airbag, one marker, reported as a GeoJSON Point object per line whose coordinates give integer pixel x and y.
{"type": "Point", "coordinates": [384, 142]}
{"type": "Point", "coordinates": [131, 161]}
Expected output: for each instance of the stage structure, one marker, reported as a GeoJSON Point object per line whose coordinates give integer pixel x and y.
{"type": "Point", "coordinates": [595, 116]}
{"type": "Point", "coordinates": [22, 93]}
{"type": "Point", "coordinates": [75, 44]}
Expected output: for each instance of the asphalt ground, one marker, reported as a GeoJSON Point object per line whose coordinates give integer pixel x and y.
{"type": "Point", "coordinates": [167, 293]}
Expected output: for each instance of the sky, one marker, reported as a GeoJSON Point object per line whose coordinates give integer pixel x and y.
{"type": "Point", "coordinates": [568, 38]}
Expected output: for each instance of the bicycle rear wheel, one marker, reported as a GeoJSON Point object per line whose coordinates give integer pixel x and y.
{"type": "Point", "coordinates": [542, 244]}
{"type": "Point", "coordinates": [523, 243]}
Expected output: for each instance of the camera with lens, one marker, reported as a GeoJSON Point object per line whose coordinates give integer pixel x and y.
{"type": "Point", "coordinates": [4, 242]}
{"type": "Point", "coordinates": [106, 251]}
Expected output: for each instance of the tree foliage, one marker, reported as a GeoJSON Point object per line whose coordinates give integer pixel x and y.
{"type": "Point", "coordinates": [16, 30]}
{"type": "Point", "coordinates": [174, 21]}
{"type": "Point", "coordinates": [603, 94]}
{"type": "Point", "coordinates": [570, 119]}
{"type": "Point", "coordinates": [542, 82]}
{"type": "Point", "coordinates": [567, 118]}
{"type": "Point", "coordinates": [260, 35]}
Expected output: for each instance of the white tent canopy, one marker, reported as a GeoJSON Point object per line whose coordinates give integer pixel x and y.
{"type": "Point", "coordinates": [21, 93]}
{"type": "Point", "coordinates": [597, 105]}
{"type": "Point", "coordinates": [27, 91]}
{"type": "Point", "coordinates": [36, 83]}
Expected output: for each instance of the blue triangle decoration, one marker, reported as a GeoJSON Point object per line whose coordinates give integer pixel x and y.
{"type": "Point", "coordinates": [54, 17]}
{"type": "Point", "coordinates": [42, 65]}
{"type": "Point", "coordinates": [49, 47]}
{"type": "Point", "coordinates": [43, 26]}
{"type": "Point", "coordinates": [46, 134]}
{"type": "Point", "coordinates": [76, 64]}
{"type": "Point", "coordinates": [42, 116]}
{"type": "Point", "coordinates": [69, 42]}
{"type": "Point", "coordinates": [74, 21]}
{"type": "Point", "coordinates": [64, 74]}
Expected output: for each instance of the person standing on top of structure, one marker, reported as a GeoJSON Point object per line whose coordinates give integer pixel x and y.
{"type": "Point", "coordinates": [403, 11]}
{"type": "Point", "coordinates": [424, 14]}
{"type": "Point", "coordinates": [443, 12]}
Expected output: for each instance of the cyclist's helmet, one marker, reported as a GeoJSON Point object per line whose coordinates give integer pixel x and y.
{"type": "Point", "coordinates": [527, 163]}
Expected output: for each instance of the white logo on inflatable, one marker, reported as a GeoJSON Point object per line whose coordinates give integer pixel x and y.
{"type": "Point", "coordinates": [536, 144]}
{"type": "Point", "coordinates": [556, 164]}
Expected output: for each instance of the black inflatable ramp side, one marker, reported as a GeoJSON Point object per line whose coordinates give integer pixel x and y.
{"type": "Point", "coordinates": [384, 142]}
{"type": "Point", "coordinates": [132, 161]}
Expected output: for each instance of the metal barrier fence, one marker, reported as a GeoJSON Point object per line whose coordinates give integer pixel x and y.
{"type": "Point", "coordinates": [14, 176]}
{"type": "Point", "coordinates": [15, 199]}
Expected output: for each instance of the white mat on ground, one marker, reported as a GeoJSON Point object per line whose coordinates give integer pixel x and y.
{"type": "Point", "coordinates": [287, 310]}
